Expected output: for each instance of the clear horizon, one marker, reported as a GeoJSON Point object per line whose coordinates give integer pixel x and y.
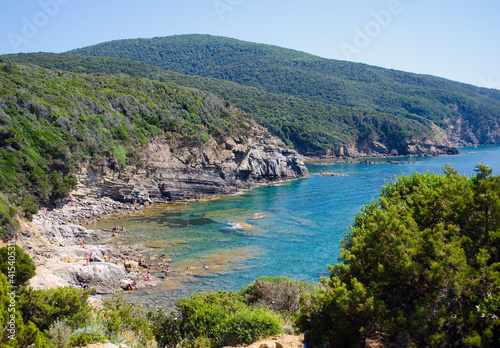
{"type": "Point", "coordinates": [456, 40]}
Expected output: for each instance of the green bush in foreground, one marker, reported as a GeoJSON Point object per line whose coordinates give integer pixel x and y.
{"type": "Point", "coordinates": [421, 267]}
{"type": "Point", "coordinates": [279, 294]}
{"type": "Point", "coordinates": [215, 319]}
{"type": "Point", "coordinates": [20, 265]}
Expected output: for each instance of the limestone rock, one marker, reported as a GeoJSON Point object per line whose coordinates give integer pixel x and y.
{"type": "Point", "coordinates": [104, 277]}
{"type": "Point", "coordinates": [183, 172]}
{"type": "Point", "coordinates": [131, 266]}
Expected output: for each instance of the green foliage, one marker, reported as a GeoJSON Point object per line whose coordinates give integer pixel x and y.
{"type": "Point", "coordinates": [279, 294]}
{"type": "Point", "coordinates": [8, 223]}
{"type": "Point", "coordinates": [214, 319]}
{"type": "Point", "coordinates": [16, 265]}
{"type": "Point", "coordinates": [44, 307]}
{"type": "Point", "coordinates": [16, 332]}
{"type": "Point", "coordinates": [420, 267]}
{"type": "Point", "coordinates": [60, 334]}
{"type": "Point", "coordinates": [121, 155]}
{"type": "Point", "coordinates": [94, 331]}
{"type": "Point", "coordinates": [312, 102]}
{"type": "Point", "coordinates": [51, 121]}
{"type": "Point", "coordinates": [120, 316]}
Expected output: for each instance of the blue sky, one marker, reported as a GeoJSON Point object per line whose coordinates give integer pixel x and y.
{"type": "Point", "coordinates": [455, 39]}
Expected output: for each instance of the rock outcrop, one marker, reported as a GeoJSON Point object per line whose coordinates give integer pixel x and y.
{"type": "Point", "coordinates": [61, 260]}
{"type": "Point", "coordinates": [174, 170]}
{"type": "Point", "coordinates": [407, 147]}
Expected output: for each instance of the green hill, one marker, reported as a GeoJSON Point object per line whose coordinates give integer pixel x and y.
{"type": "Point", "coordinates": [468, 114]}
{"type": "Point", "coordinates": [51, 121]}
{"type": "Point", "coordinates": [286, 116]}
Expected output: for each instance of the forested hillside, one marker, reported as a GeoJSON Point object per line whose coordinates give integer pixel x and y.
{"type": "Point", "coordinates": [468, 114]}
{"type": "Point", "coordinates": [52, 121]}
{"type": "Point", "coordinates": [309, 126]}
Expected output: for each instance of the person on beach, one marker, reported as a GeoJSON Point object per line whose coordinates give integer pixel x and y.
{"type": "Point", "coordinates": [133, 285]}
{"type": "Point", "coordinates": [82, 244]}
{"type": "Point", "coordinates": [167, 271]}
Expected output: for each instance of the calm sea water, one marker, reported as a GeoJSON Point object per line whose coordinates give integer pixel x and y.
{"type": "Point", "coordinates": [293, 229]}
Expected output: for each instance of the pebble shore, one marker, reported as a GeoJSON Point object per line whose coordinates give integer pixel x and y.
{"type": "Point", "coordinates": [84, 212]}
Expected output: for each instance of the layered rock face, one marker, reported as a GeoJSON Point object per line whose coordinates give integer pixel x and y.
{"type": "Point", "coordinates": [176, 171]}
{"type": "Point", "coordinates": [404, 148]}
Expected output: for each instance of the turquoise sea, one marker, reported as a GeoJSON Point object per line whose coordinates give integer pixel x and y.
{"type": "Point", "coordinates": [291, 229]}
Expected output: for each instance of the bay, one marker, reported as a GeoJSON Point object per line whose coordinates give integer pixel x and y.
{"type": "Point", "coordinates": [290, 229]}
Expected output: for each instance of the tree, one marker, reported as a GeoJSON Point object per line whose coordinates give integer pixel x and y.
{"type": "Point", "coordinates": [16, 265]}
{"type": "Point", "coordinates": [15, 333]}
{"type": "Point", "coordinates": [420, 267]}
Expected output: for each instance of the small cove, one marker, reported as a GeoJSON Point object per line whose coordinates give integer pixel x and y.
{"type": "Point", "coordinates": [291, 229]}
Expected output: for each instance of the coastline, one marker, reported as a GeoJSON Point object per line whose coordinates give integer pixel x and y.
{"type": "Point", "coordinates": [53, 240]}
{"type": "Point", "coordinates": [361, 159]}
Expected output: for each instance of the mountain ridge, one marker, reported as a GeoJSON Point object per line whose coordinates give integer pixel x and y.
{"type": "Point", "coordinates": [407, 108]}
{"type": "Point", "coordinates": [427, 99]}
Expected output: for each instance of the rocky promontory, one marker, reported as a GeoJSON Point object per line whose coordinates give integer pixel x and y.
{"type": "Point", "coordinates": [407, 147]}
{"type": "Point", "coordinates": [174, 170]}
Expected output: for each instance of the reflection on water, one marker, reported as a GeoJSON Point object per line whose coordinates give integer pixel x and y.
{"type": "Point", "coordinates": [291, 230]}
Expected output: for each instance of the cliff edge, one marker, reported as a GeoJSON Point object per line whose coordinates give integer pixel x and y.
{"type": "Point", "coordinates": [174, 170]}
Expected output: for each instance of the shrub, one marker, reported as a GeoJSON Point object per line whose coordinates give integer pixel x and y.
{"type": "Point", "coordinates": [43, 307]}
{"type": "Point", "coordinates": [60, 334]}
{"type": "Point", "coordinates": [249, 325]}
{"type": "Point", "coordinates": [280, 294]}
{"type": "Point", "coordinates": [94, 331]}
{"type": "Point", "coordinates": [121, 316]}
{"type": "Point", "coordinates": [22, 268]}
{"type": "Point", "coordinates": [29, 207]}
{"type": "Point", "coordinates": [217, 319]}
{"type": "Point", "coordinates": [15, 332]}
{"type": "Point", "coordinates": [81, 339]}
{"type": "Point", "coordinates": [418, 268]}
{"type": "Point", "coordinates": [121, 154]}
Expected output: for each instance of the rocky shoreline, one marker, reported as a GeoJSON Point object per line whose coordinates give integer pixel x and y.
{"type": "Point", "coordinates": [171, 171]}
{"type": "Point", "coordinates": [54, 238]}
{"type": "Point", "coordinates": [61, 251]}
{"type": "Point", "coordinates": [60, 245]}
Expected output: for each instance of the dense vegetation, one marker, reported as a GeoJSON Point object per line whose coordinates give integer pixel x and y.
{"type": "Point", "coordinates": [63, 318]}
{"type": "Point", "coordinates": [60, 318]}
{"type": "Point", "coordinates": [52, 121]}
{"type": "Point", "coordinates": [305, 77]}
{"type": "Point", "coordinates": [421, 267]}
{"type": "Point", "coordinates": [309, 126]}
{"type": "Point", "coordinates": [214, 320]}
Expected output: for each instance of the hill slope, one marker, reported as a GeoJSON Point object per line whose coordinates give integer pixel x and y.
{"type": "Point", "coordinates": [466, 113]}
{"type": "Point", "coordinates": [311, 127]}
{"type": "Point", "coordinates": [54, 122]}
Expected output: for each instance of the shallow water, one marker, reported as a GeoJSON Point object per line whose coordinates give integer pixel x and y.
{"type": "Point", "coordinates": [292, 229]}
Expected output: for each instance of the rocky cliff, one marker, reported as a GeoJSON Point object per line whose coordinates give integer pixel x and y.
{"type": "Point", "coordinates": [174, 170]}
{"type": "Point", "coordinates": [438, 142]}
{"type": "Point", "coordinates": [404, 148]}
